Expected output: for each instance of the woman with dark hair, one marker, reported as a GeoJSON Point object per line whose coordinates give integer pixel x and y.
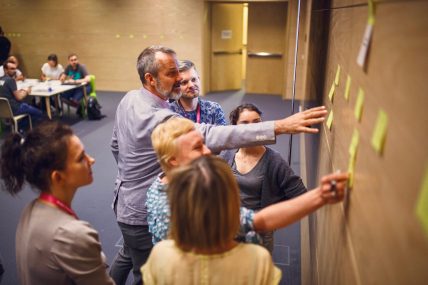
{"type": "Point", "coordinates": [263, 176]}
{"type": "Point", "coordinates": [204, 199]}
{"type": "Point", "coordinates": [52, 245]}
{"type": "Point", "coordinates": [52, 70]}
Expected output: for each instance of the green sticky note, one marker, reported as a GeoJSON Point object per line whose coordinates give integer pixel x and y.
{"type": "Point", "coordinates": [347, 87]}
{"type": "Point", "coordinates": [336, 79]}
{"type": "Point", "coordinates": [351, 172]}
{"type": "Point", "coordinates": [379, 132]}
{"type": "Point", "coordinates": [422, 204]}
{"type": "Point", "coordinates": [331, 93]}
{"type": "Point", "coordinates": [353, 146]}
{"type": "Point", "coordinates": [359, 104]}
{"type": "Point", "coordinates": [330, 120]}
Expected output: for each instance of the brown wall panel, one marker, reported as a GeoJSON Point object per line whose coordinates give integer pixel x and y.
{"type": "Point", "coordinates": [107, 35]}
{"type": "Point", "coordinates": [376, 237]}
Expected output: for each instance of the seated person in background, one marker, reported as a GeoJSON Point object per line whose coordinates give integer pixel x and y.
{"type": "Point", "coordinates": [190, 105]}
{"type": "Point", "coordinates": [52, 245]}
{"type": "Point", "coordinates": [52, 70]}
{"type": "Point", "coordinates": [18, 74]}
{"type": "Point", "coordinates": [204, 199]}
{"type": "Point", "coordinates": [176, 143]}
{"type": "Point", "coordinates": [263, 176]}
{"type": "Point", "coordinates": [10, 91]}
{"type": "Point", "coordinates": [75, 73]}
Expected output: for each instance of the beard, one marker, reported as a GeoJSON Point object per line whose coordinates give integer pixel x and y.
{"type": "Point", "coordinates": [190, 95]}
{"type": "Point", "coordinates": [168, 94]}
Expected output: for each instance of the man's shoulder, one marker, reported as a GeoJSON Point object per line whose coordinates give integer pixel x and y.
{"type": "Point", "coordinates": [7, 81]}
{"type": "Point", "coordinates": [209, 103]}
{"type": "Point", "coordinates": [174, 106]}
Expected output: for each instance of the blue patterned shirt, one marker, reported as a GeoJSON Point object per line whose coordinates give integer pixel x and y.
{"type": "Point", "coordinates": [211, 112]}
{"type": "Point", "coordinates": [158, 216]}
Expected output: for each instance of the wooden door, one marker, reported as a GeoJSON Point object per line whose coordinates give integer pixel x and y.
{"type": "Point", "coordinates": [265, 72]}
{"type": "Point", "coordinates": [226, 47]}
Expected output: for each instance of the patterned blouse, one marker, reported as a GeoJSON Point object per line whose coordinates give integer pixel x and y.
{"type": "Point", "coordinates": [158, 216]}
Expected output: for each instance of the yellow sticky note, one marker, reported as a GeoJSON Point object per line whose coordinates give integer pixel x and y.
{"type": "Point", "coordinates": [371, 6]}
{"type": "Point", "coordinates": [422, 204]}
{"type": "Point", "coordinates": [347, 87]}
{"type": "Point", "coordinates": [336, 79]}
{"type": "Point", "coordinates": [379, 132]}
{"type": "Point", "coordinates": [359, 104]}
{"type": "Point", "coordinates": [331, 93]}
{"type": "Point", "coordinates": [353, 146]}
{"type": "Point", "coordinates": [351, 172]}
{"type": "Point", "coordinates": [330, 120]}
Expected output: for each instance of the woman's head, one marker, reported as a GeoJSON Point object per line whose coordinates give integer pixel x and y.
{"type": "Point", "coordinates": [52, 60]}
{"type": "Point", "coordinates": [204, 199]}
{"type": "Point", "coordinates": [46, 149]}
{"type": "Point", "coordinates": [177, 142]}
{"type": "Point", "coordinates": [245, 114]}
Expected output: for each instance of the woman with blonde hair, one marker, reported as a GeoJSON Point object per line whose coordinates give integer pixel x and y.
{"type": "Point", "coordinates": [204, 199]}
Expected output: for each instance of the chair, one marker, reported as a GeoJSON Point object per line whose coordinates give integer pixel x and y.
{"type": "Point", "coordinates": [6, 113]}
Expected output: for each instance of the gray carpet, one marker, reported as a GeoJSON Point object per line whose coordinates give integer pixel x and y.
{"type": "Point", "coordinates": [92, 203]}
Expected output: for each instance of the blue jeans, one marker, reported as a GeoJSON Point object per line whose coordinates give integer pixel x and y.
{"type": "Point", "coordinates": [36, 114]}
{"type": "Point", "coordinates": [76, 94]}
{"type": "Point", "coordinates": [137, 245]}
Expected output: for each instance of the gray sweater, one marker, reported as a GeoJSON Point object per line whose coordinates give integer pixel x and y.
{"type": "Point", "coordinates": [279, 183]}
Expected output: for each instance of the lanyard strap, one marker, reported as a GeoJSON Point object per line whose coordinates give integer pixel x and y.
{"type": "Point", "coordinates": [198, 114]}
{"type": "Point", "coordinates": [49, 198]}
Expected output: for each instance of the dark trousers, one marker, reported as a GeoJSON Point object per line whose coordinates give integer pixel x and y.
{"type": "Point", "coordinates": [137, 245]}
{"type": "Point", "coordinates": [76, 94]}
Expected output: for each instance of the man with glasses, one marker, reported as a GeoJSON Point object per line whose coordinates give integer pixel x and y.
{"type": "Point", "coordinates": [9, 90]}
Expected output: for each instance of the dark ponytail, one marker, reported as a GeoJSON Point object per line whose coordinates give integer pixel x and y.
{"type": "Point", "coordinates": [34, 157]}
{"type": "Point", "coordinates": [11, 163]}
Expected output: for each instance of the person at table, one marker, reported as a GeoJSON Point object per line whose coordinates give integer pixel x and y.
{"type": "Point", "coordinates": [18, 73]}
{"type": "Point", "coordinates": [16, 97]}
{"type": "Point", "coordinates": [75, 73]}
{"type": "Point", "coordinates": [52, 245]}
{"type": "Point", "coordinates": [52, 70]}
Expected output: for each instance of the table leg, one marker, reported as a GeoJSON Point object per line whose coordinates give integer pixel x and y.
{"type": "Point", "coordinates": [57, 105]}
{"type": "Point", "coordinates": [48, 107]}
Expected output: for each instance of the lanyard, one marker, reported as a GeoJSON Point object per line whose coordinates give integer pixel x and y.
{"type": "Point", "coordinates": [198, 114]}
{"type": "Point", "coordinates": [49, 198]}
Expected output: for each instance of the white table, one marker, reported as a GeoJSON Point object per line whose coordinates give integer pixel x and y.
{"type": "Point", "coordinates": [49, 88]}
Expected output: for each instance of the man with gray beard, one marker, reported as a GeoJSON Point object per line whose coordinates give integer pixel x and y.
{"type": "Point", "coordinates": [138, 113]}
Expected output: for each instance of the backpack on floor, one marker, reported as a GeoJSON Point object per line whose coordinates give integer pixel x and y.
{"type": "Point", "coordinates": [94, 109]}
